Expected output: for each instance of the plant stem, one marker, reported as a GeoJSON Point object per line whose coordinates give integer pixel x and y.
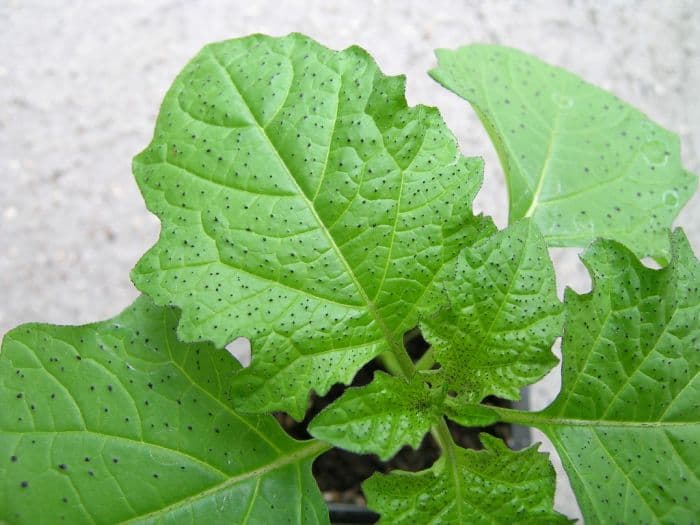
{"type": "Point", "coordinates": [442, 435]}
{"type": "Point", "coordinates": [405, 363]}
{"type": "Point", "coordinates": [398, 364]}
{"type": "Point", "coordinates": [390, 363]}
{"type": "Point", "coordinates": [519, 417]}
{"type": "Point", "coordinates": [427, 361]}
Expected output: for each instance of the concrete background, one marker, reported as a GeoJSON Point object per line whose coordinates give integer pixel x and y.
{"type": "Point", "coordinates": [81, 82]}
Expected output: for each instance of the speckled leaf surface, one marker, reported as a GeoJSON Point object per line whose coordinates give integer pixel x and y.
{"type": "Point", "coordinates": [579, 161]}
{"type": "Point", "coordinates": [504, 315]}
{"type": "Point", "coordinates": [381, 417]}
{"type": "Point", "coordinates": [627, 422]}
{"type": "Point", "coordinates": [494, 485]}
{"type": "Point", "coordinates": [119, 422]}
{"type": "Point", "coordinates": [304, 206]}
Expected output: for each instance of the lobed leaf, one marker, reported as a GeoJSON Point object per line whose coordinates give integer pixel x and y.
{"type": "Point", "coordinates": [627, 421]}
{"type": "Point", "coordinates": [120, 422]}
{"type": "Point", "coordinates": [494, 485]}
{"type": "Point", "coordinates": [578, 160]}
{"type": "Point", "coordinates": [381, 417]}
{"type": "Point", "coordinates": [504, 316]}
{"type": "Point", "coordinates": [303, 206]}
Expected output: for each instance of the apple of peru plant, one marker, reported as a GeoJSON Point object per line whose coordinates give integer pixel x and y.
{"type": "Point", "coordinates": [306, 207]}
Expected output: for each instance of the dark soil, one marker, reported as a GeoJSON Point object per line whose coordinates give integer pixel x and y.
{"type": "Point", "coordinates": [339, 473]}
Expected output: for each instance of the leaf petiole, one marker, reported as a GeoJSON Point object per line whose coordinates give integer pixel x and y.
{"type": "Point", "coordinates": [426, 361]}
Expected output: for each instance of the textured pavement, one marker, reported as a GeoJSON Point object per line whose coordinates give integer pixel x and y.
{"type": "Point", "coordinates": [81, 82]}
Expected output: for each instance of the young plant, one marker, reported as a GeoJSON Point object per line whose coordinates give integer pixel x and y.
{"type": "Point", "coordinates": [305, 206]}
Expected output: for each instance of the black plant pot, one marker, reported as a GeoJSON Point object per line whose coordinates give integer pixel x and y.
{"type": "Point", "coordinates": [349, 514]}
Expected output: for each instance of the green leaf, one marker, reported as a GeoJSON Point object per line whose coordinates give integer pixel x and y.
{"type": "Point", "coordinates": [504, 317]}
{"type": "Point", "coordinates": [579, 161]}
{"type": "Point", "coordinates": [627, 421]}
{"type": "Point", "coordinates": [119, 422]}
{"type": "Point", "coordinates": [494, 485]}
{"type": "Point", "coordinates": [381, 417]}
{"type": "Point", "coordinates": [303, 206]}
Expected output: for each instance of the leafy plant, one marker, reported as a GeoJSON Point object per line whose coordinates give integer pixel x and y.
{"type": "Point", "coordinates": [306, 207]}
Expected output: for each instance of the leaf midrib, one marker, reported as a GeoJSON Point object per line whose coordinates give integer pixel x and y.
{"type": "Point", "coordinates": [542, 419]}
{"type": "Point", "coordinates": [137, 442]}
{"type": "Point", "coordinates": [310, 450]}
{"type": "Point", "coordinates": [549, 155]}
{"type": "Point", "coordinates": [505, 298]}
{"type": "Point", "coordinates": [390, 338]}
{"type": "Point", "coordinates": [218, 401]}
{"type": "Point", "coordinates": [552, 130]}
{"type": "Point", "coordinates": [172, 361]}
{"type": "Point", "coordinates": [615, 423]}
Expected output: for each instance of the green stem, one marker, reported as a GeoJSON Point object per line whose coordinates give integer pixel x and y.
{"type": "Point", "coordinates": [390, 363]}
{"type": "Point", "coordinates": [520, 417]}
{"type": "Point", "coordinates": [442, 435]}
{"type": "Point", "coordinates": [398, 364]}
{"type": "Point", "coordinates": [427, 361]}
{"type": "Point", "coordinates": [408, 369]}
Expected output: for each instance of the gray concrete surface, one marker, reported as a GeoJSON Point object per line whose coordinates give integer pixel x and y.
{"type": "Point", "coordinates": [81, 82]}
